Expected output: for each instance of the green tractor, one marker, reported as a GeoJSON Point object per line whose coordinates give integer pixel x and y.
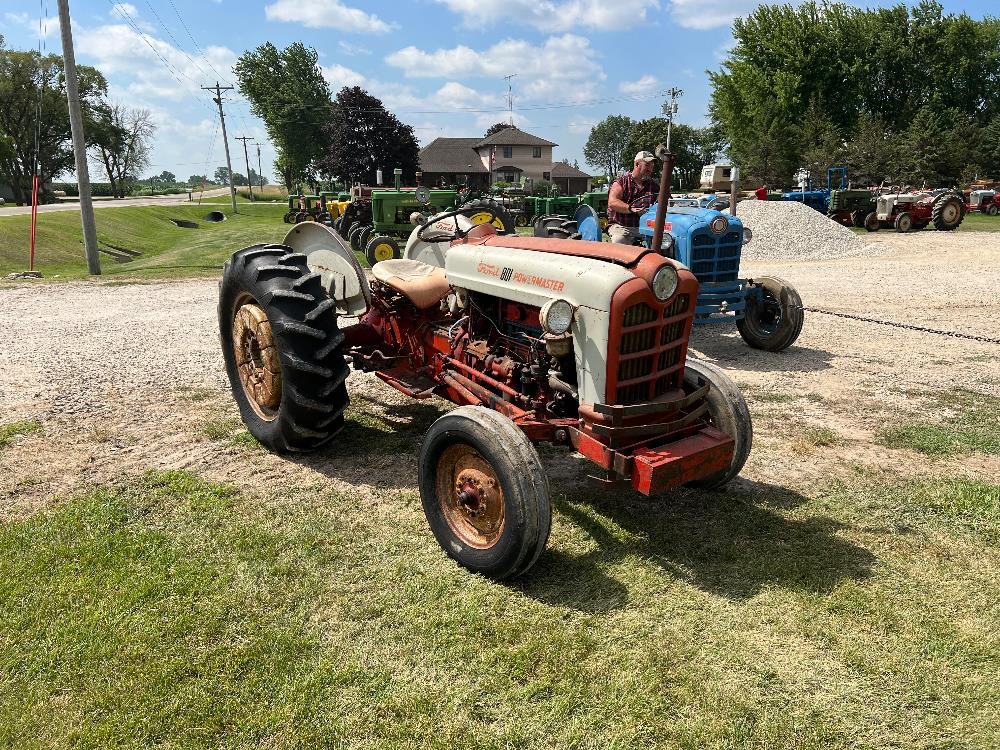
{"type": "Point", "coordinates": [379, 223]}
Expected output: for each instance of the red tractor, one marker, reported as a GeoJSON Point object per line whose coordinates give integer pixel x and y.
{"type": "Point", "coordinates": [945, 209]}
{"type": "Point", "coordinates": [983, 201]}
{"type": "Point", "coordinates": [579, 344]}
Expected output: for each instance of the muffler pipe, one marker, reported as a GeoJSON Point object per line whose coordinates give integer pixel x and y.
{"type": "Point", "coordinates": [663, 199]}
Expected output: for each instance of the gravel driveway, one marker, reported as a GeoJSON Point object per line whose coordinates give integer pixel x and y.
{"type": "Point", "coordinates": [124, 376]}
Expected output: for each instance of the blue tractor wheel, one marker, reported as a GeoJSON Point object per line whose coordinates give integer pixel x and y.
{"type": "Point", "coordinates": [774, 315]}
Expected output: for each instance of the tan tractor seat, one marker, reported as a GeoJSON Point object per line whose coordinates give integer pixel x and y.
{"type": "Point", "coordinates": [423, 284]}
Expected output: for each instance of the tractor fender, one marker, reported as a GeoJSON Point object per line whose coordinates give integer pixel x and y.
{"type": "Point", "coordinates": [340, 272]}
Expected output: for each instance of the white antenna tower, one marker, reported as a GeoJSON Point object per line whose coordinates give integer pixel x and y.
{"type": "Point", "coordinates": [510, 98]}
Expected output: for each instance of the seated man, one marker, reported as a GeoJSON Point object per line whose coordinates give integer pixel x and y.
{"type": "Point", "coordinates": [630, 196]}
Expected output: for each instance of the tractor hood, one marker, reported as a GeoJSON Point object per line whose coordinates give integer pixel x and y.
{"type": "Point", "coordinates": [682, 221]}
{"type": "Point", "coordinates": [621, 255]}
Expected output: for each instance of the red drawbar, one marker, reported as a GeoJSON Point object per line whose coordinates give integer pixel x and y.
{"type": "Point", "coordinates": [658, 469]}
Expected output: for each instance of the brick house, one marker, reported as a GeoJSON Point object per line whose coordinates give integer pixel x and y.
{"type": "Point", "coordinates": [510, 155]}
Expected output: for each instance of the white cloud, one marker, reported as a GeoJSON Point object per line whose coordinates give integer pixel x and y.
{"type": "Point", "coordinates": [581, 125]}
{"type": "Point", "coordinates": [553, 15]}
{"type": "Point", "coordinates": [34, 24]}
{"type": "Point", "coordinates": [128, 57]}
{"type": "Point", "coordinates": [645, 85]}
{"type": "Point", "coordinates": [563, 68]}
{"type": "Point", "coordinates": [710, 14]}
{"type": "Point", "coordinates": [326, 15]}
{"type": "Point", "coordinates": [339, 76]}
{"type": "Point", "coordinates": [123, 10]}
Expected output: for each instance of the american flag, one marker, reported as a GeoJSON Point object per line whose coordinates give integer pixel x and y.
{"type": "Point", "coordinates": [493, 156]}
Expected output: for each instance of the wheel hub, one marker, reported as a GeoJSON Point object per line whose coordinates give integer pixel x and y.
{"type": "Point", "coordinates": [257, 359]}
{"type": "Point", "coordinates": [470, 496]}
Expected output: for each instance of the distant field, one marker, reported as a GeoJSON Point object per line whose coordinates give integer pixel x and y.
{"type": "Point", "coordinates": [166, 250]}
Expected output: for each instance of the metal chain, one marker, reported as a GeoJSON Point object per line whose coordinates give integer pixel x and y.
{"type": "Point", "coordinates": [907, 326]}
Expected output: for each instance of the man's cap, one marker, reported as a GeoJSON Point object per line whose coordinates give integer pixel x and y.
{"type": "Point", "coordinates": [643, 156]}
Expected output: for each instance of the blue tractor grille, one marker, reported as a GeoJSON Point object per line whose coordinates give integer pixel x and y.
{"type": "Point", "coordinates": [716, 257]}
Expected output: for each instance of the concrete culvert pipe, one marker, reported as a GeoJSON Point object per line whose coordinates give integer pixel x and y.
{"type": "Point", "coordinates": [185, 223]}
{"type": "Point", "coordinates": [215, 216]}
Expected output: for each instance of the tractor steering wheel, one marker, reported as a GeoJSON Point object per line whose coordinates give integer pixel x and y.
{"type": "Point", "coordinates": [440, 236]}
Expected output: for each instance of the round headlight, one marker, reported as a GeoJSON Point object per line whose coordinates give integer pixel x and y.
{"type": "Point", "coordinates": [668, 242]}
{"type": "Point", "coordinates": [665, 283]}
{"type": "Point", "coordinates": [556, 316]}
{"type": "Point", "coordinates": [747, 235]}
{"type": "Point", "coordinates": [719, 224]}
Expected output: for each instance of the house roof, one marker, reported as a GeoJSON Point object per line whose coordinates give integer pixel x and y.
{"type": "Point", "coordinates": [452, 155]}
{"type": "Point", "coordinates": [514, 137]}
{"type": "Point", "coordinates": [562, 169]}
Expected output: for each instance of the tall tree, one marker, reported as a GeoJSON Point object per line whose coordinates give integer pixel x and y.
{"type": "Point", "coordinates": [222, 175]}
{"type": "Point", "coordinates": [120, 144]}
{"type": "Point", "coordinates": [27, 79]}
{"type": "Point", "coordinates": [363, 137]}
{"type": "Point", "coordinates": [496, 128]}
{"type": "Point", "coordinates": [286, 90]}
{"type": "Point", "coordinates": [869, 155]}
{"type": "Point", "coordinates": [606, 144]}
{"type": "Point", "coordinates": [821, 143]}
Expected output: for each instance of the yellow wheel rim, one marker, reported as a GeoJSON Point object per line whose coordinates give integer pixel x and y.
{"type": "Point", "coordinates": [482, 217]}
{"type": "Point", "coordinates": [383, 251]}
{"type": "Point", "coordinates": [603, 222]}
{"type": "Point", "coordinates": [257, 358]}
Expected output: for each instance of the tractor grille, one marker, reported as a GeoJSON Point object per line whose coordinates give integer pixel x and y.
{"type": "Point", "coordinates": [649, 351]}
{"type": "Point", "coordinates": [716, 257]}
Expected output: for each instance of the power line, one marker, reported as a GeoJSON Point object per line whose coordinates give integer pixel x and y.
{"type": "Point", "coordinates": [193, 41]}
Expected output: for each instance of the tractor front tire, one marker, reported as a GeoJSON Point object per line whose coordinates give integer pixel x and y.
{"type": "Point", "coordinates": [872, 224]}
{"type": "Point", "coordinates": [948, 212]}
{"type": "Point", "coordinates": [354, 236]}
{"type": "Point", "coordinates": [727, 412]}
{"type": "Point", "coordinates": [381, 247]}
{"type": "Point", "coordinates": [484, 492]}
{"type": "Point", "coordinates": [774, 322]}
{"type": "Point", "coordinates": [289, 217]}
{"type": "Point", "coordinates": [858, 219]}
{"type": "Point", "coordinates": [481, 211]}
{"type": "Point", "coordinates": [282, 348]}
{"type": "Point", "coordinates": [903, 223]}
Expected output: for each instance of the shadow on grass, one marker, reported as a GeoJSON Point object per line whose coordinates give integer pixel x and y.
{"type": "Point", "coordinates": [378, 445]}
{"type": "Point", "coordinates": [721, 343]}
{"type": "Point", "coordinates": [734, 544]}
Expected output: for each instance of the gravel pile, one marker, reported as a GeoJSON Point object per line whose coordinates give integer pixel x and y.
{"type": "Point", "coordinates": [793, 231]}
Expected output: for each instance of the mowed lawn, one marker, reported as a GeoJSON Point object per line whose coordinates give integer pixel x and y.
{"type": "Point", "coordinates": [169, 611]}
{"type": "Point", "coordinates": [165, 250]}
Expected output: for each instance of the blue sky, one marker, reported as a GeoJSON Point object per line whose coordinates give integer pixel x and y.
{"type": "Point", "coordinates": [430, 61]}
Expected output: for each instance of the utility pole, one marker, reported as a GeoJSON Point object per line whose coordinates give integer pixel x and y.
{"type": "Point", "coordinates": [246, 138]}
{"type": "Point", "coordinates": [260, 172]}
{"type": "Point", "coordinates": [79, 142]}
{"type": "Point", "coordinates": [225, 139]}
{"type": "Point", "coordinates": [670, 109]}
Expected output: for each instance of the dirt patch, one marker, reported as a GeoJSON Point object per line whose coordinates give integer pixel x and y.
{"type": "Point", "coordinates": [124, 379]}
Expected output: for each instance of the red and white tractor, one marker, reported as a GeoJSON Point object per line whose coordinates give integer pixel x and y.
{"type": "Point", "coordinates": [580, 344]}
{"type": "Point", "coordinates": [906, 212]}
{"type": "Point", "coordinates": [983, 201]}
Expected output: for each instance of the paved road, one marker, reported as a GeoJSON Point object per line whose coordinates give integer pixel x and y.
{"type": "Point", "coordinates": [155, 200]}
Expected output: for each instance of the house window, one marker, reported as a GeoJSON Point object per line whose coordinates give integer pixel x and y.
{"type": "Point", "coordinates": [508, 152]}
{"type": "Point", "coordinates": [508, 177]}
{"type": "Point", "coordinates": [536, 152]}
{"type": "Point", "coordinates": [546, 175]}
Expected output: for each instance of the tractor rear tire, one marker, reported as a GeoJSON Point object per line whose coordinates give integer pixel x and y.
{"type": "Point", "coordinates": [555, 226]}
{"type": "Point", "coordinates": [872, 224]}
{"type": "Point", "coordinates": [289, 217]}
{"type": "Point", "coordinates": [993, 210]}
{"type": "Point", "coordinates": [858, 219]}
{"type": "Point", "coordinates": [381, 247]}
{"type": "Point", "coordinates": [948, 212]}
{"type": "Point", "coordinates": [728, 413]}
{"type": "Point", "coordinates": [482, 210]}
{"type": "Point", "coordinates": [522, 220]}
{"type": "Point", "coordinates": [282, 348]}
{"type": "Point", "coordinates": [484, 492]}
{"type": "Point", "coordinates": [903, 223]}
{"type": "Point", "coordinates": [774, 323]}
{"type": "Point", "coordinates": [354, 235]}
{"type": "Point", "coordinates": [363, 236]}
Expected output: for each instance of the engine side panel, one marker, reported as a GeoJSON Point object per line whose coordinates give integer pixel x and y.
{"type": "Point", "coordinates": [536, 278]}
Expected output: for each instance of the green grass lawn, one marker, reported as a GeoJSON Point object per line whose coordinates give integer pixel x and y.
{"type": "Point", "coordinates": [170, 611]}
{"type": "Point", "coordinates": [166, 250]}
{"type": "Point", "coordinates": [975, 222]}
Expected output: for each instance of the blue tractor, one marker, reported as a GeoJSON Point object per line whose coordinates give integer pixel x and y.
{"type": "Point", "coordinates": [818, 198]}
{"type": "Point", "coordinates": [767, 310]}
